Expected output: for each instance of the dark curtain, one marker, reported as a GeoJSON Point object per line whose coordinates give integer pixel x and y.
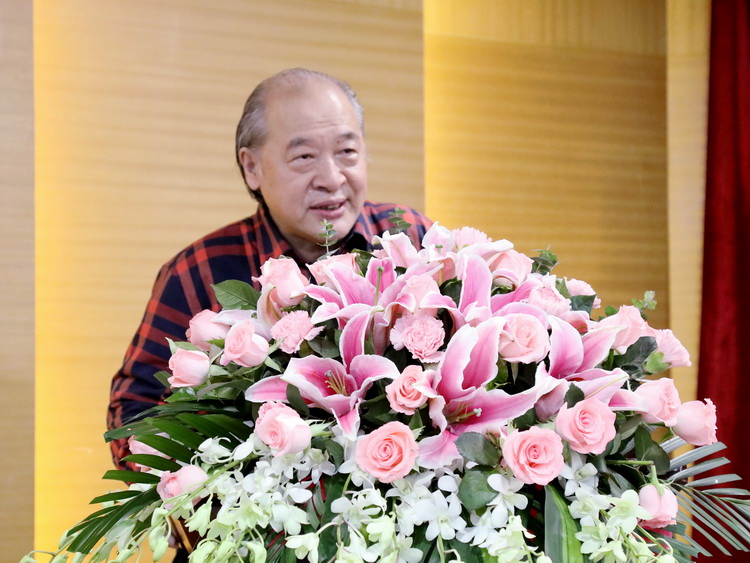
{"type": "Point", "coordinates": [724, 364]}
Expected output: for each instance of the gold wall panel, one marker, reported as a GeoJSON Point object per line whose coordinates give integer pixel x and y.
{"type": "Point", "coordinates": [557, 141]}
{"type": "Point", "coordinates": [136, 105]}
{"type": "Point", "coordinates": [687, 79]}
{"type": "Point", "coordinates": [16, 279]}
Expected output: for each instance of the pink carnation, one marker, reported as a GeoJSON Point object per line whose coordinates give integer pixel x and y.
{"type": "Point", "coordinates": [467, 236]}
{"type": "Point", "coordinates": [292, 329]}
{"type": "Point", "coordinates": [420, 334]}
{"type": "Point", "coordinates": [548, 299]}
{"type": "Point", "coordinates": [579, 287]}
{"type": "Point", "coordinates": [675, 354]}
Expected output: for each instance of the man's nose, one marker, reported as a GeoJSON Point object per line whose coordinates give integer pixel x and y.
{"type": "Point", "coordinates": [329, 174]}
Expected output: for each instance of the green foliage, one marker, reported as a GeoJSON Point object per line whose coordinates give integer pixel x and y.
{"type": "Point", "coordinates": [396, 218]}
{"type": "Point", "coordinates": [475, 447]}
{"type": "Point", "coordinates": [234, 294]}
{"type": "Point", "coordinates": [560, 542]}
{"type": "Point", "coordinates": [474, 491]}
{"type": "Point", "coordinates": [544, 263]}
{"type": "Point", "coordinates": [328, 234]}
{"type": "Point", "coordinates": [635, 356]}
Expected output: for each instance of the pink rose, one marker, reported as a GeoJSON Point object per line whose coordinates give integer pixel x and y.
{"type": "Point", "coordinates": [184, 480]}
{"type": "Point", "coordinates": [282, 429]}
{"type": "Point", "coordinates": [675, 354]}
{"type": "Point", "coordinates": [524, 339]}
{"type": "Point", "coordinates": [202, 328]}
{"type": "Point", "coordinates": [189, 368]}
{"type": "Point", "coordinates": [535, 455]}
{"type": "Point", "coordinates": [388, 453]}
{"type": "Point", "coordinates": [284, 275]}
{"type": "Point", "coordinates": [663, 507]}
{"type": "Point", "coordinates": [696, 422]}
{"type": "Point", "coordinates": [579, 287]}
{"type": "Point", "coordinates": [422, 335]}
{"type": "Point", "coordinates": [410, 390]}
{"type": "Point", "coordinates": [510, 268]}
{"type": "Point", "coordinates": [319, 269]}
{"type": "Point", "coordinates": [632, 325]}
{"type": "Point", "coordinates": [662, 399]}
{"type": "Point", "coordinates": [244, 346]}
{"type": "Point", "coordinates": [292, 329]}
{"type": "Point", "coordinates": [588, 427]}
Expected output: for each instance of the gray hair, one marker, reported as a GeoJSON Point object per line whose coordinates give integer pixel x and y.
{"type": "Point", "coordinates": [251, 129]}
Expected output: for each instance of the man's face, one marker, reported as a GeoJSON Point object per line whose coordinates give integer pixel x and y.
{"type": "Point", "coordinates": [312, 166]}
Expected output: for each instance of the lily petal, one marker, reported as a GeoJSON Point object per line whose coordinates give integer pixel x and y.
{"type": "Point", "coordinates": [438, 451]}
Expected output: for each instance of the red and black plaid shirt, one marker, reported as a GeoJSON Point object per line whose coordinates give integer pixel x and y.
{"type": "Point", "coordinates": [182, 290]}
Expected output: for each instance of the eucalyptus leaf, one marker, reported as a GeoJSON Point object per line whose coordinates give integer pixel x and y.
{"type": "Point", "coordinates": [636, 354]}
{"type": "Point", "coordinates": [583, 303]}
{"type": "Point", "coordinates": [474, 491]}
{"type": "Point", "coordinates": [475, 447]}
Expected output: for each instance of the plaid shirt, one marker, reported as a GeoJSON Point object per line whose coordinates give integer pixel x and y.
{"type": "Point", "coordinates": [182, 290]}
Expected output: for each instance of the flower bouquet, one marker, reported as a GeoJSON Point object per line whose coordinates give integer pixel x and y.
{"type": "Point", "coordinates": [456, 402]}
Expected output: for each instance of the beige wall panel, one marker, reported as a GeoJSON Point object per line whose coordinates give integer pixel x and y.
{"type": "Point", "coordinates": [560, 147]}
{"type": "Point", "coordinates": [136, 108]}
{"type": "Point", "coordinates": [631, 26]}
{"type": "Point", "coordinates": [687, 71]}
{"type": "Point", "coordinates": [16, 279]}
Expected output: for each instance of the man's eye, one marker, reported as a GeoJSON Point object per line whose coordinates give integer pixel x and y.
{"type": "Point", "coordinates": [306, 156]}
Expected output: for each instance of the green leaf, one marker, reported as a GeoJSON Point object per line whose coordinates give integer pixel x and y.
{"type": "Point", "coordinates": [114, 496]}
{"type": "Point", "coordinates": [634, 357]}
{"type": "Point", "coordinates": [295, 400]}
{"type": "Point", "coordinates": [131, 476]}
{"type": "Point", "coordinates": [162, 377]}
{"type": "Point", "coordinates": [217, 426]}
{"type": "Point", "coordinates": [94, 530]}
{"type": "Point", "coordinates": [324, 348]}
{"type": "Point", "coordinates": [235, 294]}
{"type": "Point", "coordinates": [698, 468]}
{"type": "Point", "coordinates": [544, 263]}
{"type": "Point", "coordinates": [474, 491]}
{"type": "Point", "coordinates": [648, 450]}
{"type": "Point", "coordinates": [168, 447]}
{"type": "Point", "coordinates": [655, 363]}
{"type": "Point", "coordinates": [573, 395]}
{"type": "Point", "coordinates": [475, 447]}
{"type": "Point", "coordinates": [526, 420]}
{"type": "Point", "coordinates": [583, 303]}
{"type": "Point", "coordinates": [153, 461]}
{"type": "Point", "coordinates": [178, 432]}
{"type": "Point", "coordinates": [696, 454]}
{"type": "Point", "coordinates": [560, 542]}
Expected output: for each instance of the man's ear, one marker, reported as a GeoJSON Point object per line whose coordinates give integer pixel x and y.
{"type": "Point", "coordinates": [250, 168]}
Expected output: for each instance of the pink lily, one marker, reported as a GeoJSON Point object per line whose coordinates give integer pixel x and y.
{"type": "Point", "coordinates": [327, 384]}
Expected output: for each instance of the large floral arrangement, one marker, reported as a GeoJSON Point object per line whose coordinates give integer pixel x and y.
{"type": "Point", "coordinates": [454, 403]}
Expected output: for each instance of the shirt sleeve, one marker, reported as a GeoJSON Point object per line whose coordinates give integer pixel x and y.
{"type": "Point", "coordinates": [134, 387]}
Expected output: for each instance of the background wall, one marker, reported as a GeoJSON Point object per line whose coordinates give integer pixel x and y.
{"type": "Point", "coordinates": [687, 88]}
{"type": "Point", "coordinates": [16, 277]}
{"type": "Point", "coordinates": [136, 108]}
{"type": "Point", "coordinates": [545, 124]}
{"type": "Point", "coordinates": [576, 123]}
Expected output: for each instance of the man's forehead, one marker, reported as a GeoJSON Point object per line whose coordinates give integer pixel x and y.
{"type": "Point", "coordinates": [306, 140]}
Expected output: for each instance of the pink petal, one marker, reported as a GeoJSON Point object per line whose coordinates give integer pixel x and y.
{"type": "Point", "coordinates": [268, 389]}
{"type": "Point", "coordinates": [352, 341]}
{"type": "Point", "coordinates": [438, 451]}
{"type": "Point", "coordinates": [500, 300]}
{"type": "Point", "coordinates": [450, 373]}
{"type": "Point", "coordinates": [482, 367]}
{"type": "Point", "coordinates": [624, 400]}
{"type": "Point", "coordinates": [566, 349]}
{"type": "Point", "coordinates": [477, 283]}
{"type": "Point", "coordinates": [352, 287]}
{"type": "Point", "coordinates": [383, 270]}
{"type": "Point", "coordinates": [349, 423]}
{"type": "Point", "coordinates": [596, 346]}
{"type": "Point", "coordinates": [368, 368]}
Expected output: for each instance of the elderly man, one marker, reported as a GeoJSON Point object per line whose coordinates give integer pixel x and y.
{"type": "Point", "coordinates": [301, 150]}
